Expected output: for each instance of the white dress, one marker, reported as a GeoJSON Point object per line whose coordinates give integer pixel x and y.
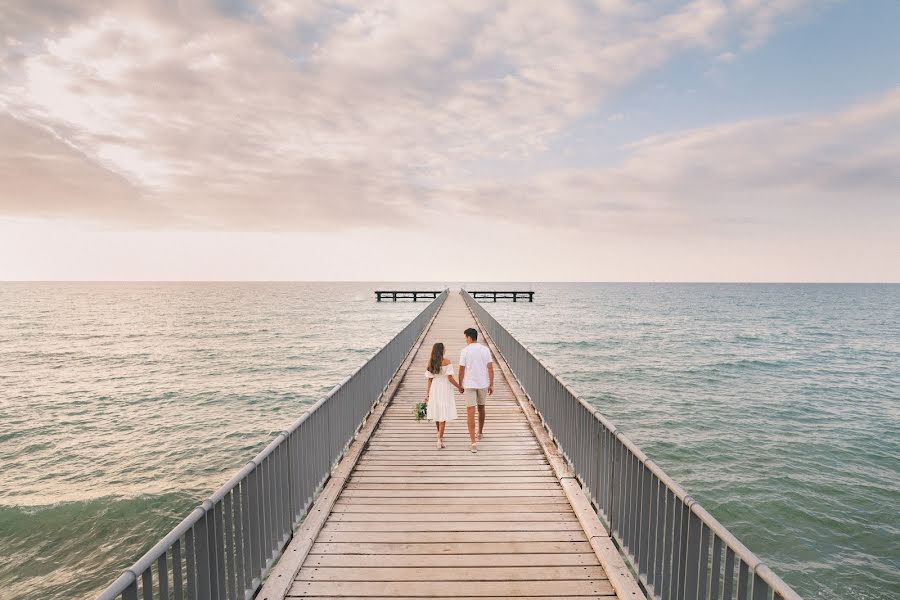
{"type": "Point", "coordinates": [441, 403]}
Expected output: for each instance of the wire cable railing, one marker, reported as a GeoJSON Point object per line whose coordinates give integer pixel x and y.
{"type": "Point", "coordinates": [225, 547]}
{"type": "Point", "coordinates": [676, 548]}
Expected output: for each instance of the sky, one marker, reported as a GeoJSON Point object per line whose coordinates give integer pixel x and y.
{"type": "Point", "coordinates": [605, 140]}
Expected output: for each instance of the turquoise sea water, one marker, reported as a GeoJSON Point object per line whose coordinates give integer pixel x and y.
{"type": "Point", "coordinates": [122, 405]}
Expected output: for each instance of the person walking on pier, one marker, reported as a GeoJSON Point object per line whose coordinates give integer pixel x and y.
{"type": "Point", "coordinates": [438, 395]}
{"type": "Point", "coordinates": [476, 376]}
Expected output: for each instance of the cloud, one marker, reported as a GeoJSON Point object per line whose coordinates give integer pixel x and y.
{"type": "Point", "coordinates": [298, 116]}
{"type": "Point", "coordinates": [777, 171]}
{"type": "Point", "coordinates": [762, 17]}
{"type": "Point", "coordinates": [69, 184]}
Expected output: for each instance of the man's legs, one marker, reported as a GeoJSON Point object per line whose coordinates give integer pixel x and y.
{"type": "Point", "coordinates": [471, 397]}
{"type": "Point", "coordinates": [470, 413]}
{"type": "Point", "coordinates": [481, 399]}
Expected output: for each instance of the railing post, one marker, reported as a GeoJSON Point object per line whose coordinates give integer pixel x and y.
{"type": "Point", "coordinates": [162, 574]}
{"type": "Point", "coordinates": [201, 540]}
{"type": "Point", "coordinates": [176, 570]}
{"type": "Point", "coordinates": [130, 592]}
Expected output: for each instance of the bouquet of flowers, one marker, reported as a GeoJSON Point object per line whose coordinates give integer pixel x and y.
{"type": "Point", "coordinates": [420, 411]}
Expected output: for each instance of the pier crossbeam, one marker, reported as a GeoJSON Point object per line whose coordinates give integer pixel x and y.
{"type": "Point", "coordinates": [416, 521]}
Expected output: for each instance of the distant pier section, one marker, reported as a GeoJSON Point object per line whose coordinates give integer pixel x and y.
{"type": "Point", "coordinates": [513, 295]}
{"type": "Point", "coordinates": [414, 295]}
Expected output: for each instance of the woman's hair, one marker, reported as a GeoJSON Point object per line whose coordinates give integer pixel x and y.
{"type": "Point", "coordinates": [437, 357]}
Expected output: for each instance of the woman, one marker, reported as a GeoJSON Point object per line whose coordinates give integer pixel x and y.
{"type": "Point", "coordinates": [438, 393]}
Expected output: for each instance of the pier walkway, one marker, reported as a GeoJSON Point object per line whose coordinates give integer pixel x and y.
{"type": "Point", "coordinates": [417, 521]}
{"type": "Point", "coordinates": [353, 500]}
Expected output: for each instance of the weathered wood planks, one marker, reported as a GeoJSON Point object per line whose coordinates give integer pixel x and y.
{"type": "Point", "coordinates": [414, 521]}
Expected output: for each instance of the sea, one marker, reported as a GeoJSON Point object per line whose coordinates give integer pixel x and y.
{"type": "Point", "coordinates": [122, 405]}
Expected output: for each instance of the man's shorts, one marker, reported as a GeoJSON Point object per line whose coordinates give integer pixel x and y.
{"type": "Point", "coordinates": [475, 395]}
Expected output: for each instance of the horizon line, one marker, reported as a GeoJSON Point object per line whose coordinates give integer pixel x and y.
{"type": "Point", "coordinates": [423, 281]}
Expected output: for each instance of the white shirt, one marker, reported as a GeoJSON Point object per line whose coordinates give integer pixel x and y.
{"type": "Point", "coordinates": [475, 358]}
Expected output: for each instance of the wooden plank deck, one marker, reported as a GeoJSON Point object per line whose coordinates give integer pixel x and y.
{"type": "Point", "coordinates": [414, 521]}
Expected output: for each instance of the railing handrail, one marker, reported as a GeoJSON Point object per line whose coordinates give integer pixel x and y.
{"type": "Point", "coordinates": [129, 577]}
{"type": "Point", "coordinates": [780, 589]}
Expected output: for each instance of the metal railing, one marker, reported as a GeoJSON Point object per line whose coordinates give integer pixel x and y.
{"type": "Point", "coordinates": [676, 548]}
{"type": "Point", "coordinates": [226, 546]}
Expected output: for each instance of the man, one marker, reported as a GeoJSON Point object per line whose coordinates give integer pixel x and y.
{"type": "Point", "coordinates": [476, 375]}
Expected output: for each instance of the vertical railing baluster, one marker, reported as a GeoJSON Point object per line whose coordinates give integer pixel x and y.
{"type": "Point", "coordinates": [205, 575]}
{"type": "Point", "coordinates": [228, 514]}
{"type": "Point", "coordinates": [624, 486]}
{"type": "Point", "coordinates": [635, 506]}
{"type": "Point", "coordinates": [703, 574]}
{"type": "Point", "coordinates": [760, 588]}
{"type": "Point", "coordinates": [743, 580]}
{"type": "Point", "coordinates": [254, 512]}
{"type": "Point", "coordinates": [276, 498]}
{"type": "Point", "coordinates": [715, 574]}
{"type": "Point", "coordinates": [615, 486]}
{"type": "Point", "coordinates": [628, 510]}
{"type": "Point", "coordinates": [728, 577]}
{"type": "Point", "coordinates": [677, 534]}
{"type": "Point", "coordinates": [659, 544]}
{"type": "Point", "coordinates": [284, 482]}
{"type": "Point", "coordinates": [246, 550]}
{"type": "Point", "coordinates": [640, 513]}
{"type": "Point", "coordinates": [177, 581]}
{"type": "Point", "coordinates": [221, 571]}
{"type": "Point", "coordinates": [648, 523]}
{"type": "Point", "coordinates": [692, 556]}
{"type": "Point", "coordinates": [271, 507]}
{"type": "Point", "coordinates": [212, 534]}
{"type": "Point", "coordinates": [683, 553]}
{"type": "Point", "coordinates": [147, 584]}
{"type": "Point", "coordinates": [162, 573]}
{"type": "Point", "coordinates": [131, 591]}
{"type": "Point", "coordinates": [190, 564]}
{"type": "Point", "coordinates": [271, 510]}
{"type": "Point", "coordinates": [666, 581]}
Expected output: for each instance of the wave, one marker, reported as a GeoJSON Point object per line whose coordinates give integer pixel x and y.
{"type": "Point", "coordinates": [94, 540]}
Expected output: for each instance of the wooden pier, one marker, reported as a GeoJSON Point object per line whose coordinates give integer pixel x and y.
{"type": "Point", "coordinates": [402, 519]}
{"type": "Point", "coordinates": [414, 295]}
{"type": "Point", "coordinates": [502, 295]}
{"type": "Point", "coordinates": [353, 500]}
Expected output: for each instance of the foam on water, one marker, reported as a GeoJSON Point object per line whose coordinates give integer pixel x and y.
{"type": "Point", "coordinates": [123, 405]}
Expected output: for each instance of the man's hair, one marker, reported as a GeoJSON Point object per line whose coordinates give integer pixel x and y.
{"type": "Point", "coordinates": [472, 334]}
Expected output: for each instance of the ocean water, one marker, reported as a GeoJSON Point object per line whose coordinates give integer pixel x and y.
{"type": "Point", "coordinates": [776, 406]}
{"type": "Point", "coordinates": [123, 405]}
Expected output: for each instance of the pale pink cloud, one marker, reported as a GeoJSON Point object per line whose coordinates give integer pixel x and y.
{"type": "Point", "coordinates": [322, 115]}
